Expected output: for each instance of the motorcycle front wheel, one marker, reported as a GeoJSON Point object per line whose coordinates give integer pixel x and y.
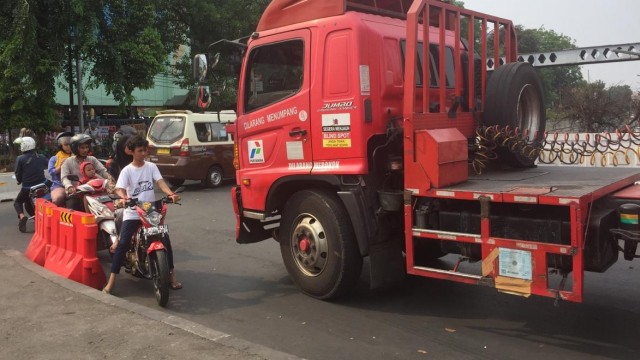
{"type": "Point", "coordinates": [160, 276]}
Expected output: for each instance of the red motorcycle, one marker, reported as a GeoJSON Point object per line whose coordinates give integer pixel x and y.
{"type": "Point", "coordinates": [147, 256]}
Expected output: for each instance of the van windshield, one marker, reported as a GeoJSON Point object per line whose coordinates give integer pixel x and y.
{"type": "Point", "coordinates": [167, 129]}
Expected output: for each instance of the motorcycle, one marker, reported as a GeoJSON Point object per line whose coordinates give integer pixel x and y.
{"type": "Point", "coordinates": [147, 256]}
{"type": "Point", "coordinates": [100, 205]}
{"type": "Point", "coordinates": [41, 190]}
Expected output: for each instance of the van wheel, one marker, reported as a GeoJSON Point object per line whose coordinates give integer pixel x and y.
{"type": "Point", "coordinates": [175, 182]}
{"type": "Point", "coordinates": [514, 98]}
{"type": "Point", "coordinates": [214, 177]}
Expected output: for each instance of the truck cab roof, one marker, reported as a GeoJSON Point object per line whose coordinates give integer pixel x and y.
{"type": "Point", "coordinates": [286, 12]}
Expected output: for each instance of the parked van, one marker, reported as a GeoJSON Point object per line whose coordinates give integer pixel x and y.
{"type": "Point", "coordinates": [192, 146]}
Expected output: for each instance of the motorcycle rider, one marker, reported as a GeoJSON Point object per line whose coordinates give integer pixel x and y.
{"type": "Point", "coordinates": [136, 181]}
{"type": "Point", "coordinates": [63, 140]}
{"type": "Point", "coordinates": [71, 173]}
{"type": "Point", "coordinates": [30, 168]}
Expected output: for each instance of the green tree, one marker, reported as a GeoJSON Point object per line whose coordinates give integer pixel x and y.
{"type": "Point", "coordinates": [592, 107]}
{"type": "Point", "coordinates": [554, 79]}
{"type": "Point", "coordinates": [207, 22]}
{"type": "Point", "coordinates": [133, 41]}
{"type": "Point", "coordinates": [31, 49]}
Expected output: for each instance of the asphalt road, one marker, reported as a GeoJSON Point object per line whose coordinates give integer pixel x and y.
{"type": "Point", "coordinates": [244, 290]}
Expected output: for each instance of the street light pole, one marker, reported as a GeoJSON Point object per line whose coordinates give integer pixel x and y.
{"type": "Point", "coordinates": [79, 85]}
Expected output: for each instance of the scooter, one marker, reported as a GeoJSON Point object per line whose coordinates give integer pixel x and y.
{"type": "Point", "coordinates": [35, 192]}
{"type": "Point", "coordinates": [147, 256]}
{"type": "Point", "coordinates": [100, 205]}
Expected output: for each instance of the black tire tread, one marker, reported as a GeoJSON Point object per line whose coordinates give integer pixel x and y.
{"type": "Point", "coordinates": [503, 88]}
{"type": "Point", "coordinates": [163, 273]}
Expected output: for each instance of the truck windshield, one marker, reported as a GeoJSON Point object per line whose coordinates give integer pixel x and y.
{"type": "Point", "coordinates": [274, 73]}
{"type": "Point", "coordinates": [167, 129]}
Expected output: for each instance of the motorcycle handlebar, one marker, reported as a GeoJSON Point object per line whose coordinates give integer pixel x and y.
{"type": "Point", "coordinates": [134, 201]}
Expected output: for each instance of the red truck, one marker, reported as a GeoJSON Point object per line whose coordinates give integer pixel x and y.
{"type": "Point", "coordinates": [346, 148]}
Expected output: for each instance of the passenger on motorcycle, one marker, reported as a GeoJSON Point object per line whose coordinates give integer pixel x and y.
{"type": "Point", "coordinates": [121, 155]}
{"type": "Point", "coordinates": [136, 181]}
{"type": "Point", "coordinates": [30, 168]}
{"type": "Point", "coordinates": [71, 174]}
{"type": "Point", "coordinates": [55, 167]}
{"type": "Point", "coordinates": [88, 172]}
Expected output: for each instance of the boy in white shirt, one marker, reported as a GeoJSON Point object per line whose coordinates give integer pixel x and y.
{"type": "Point", "coordinates": [136, 180]}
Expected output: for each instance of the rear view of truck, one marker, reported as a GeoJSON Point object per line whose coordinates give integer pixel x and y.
{"type": "Point", "coordinates": [362, 127]}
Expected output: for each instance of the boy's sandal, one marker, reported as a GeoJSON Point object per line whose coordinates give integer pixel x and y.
{"type": "Point", "coordinates": [176, 285]}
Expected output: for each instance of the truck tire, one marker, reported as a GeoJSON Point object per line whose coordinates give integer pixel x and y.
{"type": "Point", "coordinates": [318, 245]}
{"type": "Point", "coordinates": [514, 98]}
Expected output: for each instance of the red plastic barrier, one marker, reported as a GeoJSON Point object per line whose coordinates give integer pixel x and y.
{"type": "Point", "coordinates": [72, 251]}
{"type": "Point", "coordinates": [39, 245]}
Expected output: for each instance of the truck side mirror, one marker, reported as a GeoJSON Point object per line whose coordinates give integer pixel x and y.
{"type": "Point", "coordinates": [200, 68]}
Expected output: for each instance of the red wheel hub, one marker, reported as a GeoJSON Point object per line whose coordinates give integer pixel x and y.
{"type": "Point", "coordinates": [304, 245]}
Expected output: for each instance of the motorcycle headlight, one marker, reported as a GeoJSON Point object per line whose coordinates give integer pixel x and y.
{"type": "Point", "coordinates": [153, 218]}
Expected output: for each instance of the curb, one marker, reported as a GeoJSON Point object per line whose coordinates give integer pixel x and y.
{"type": "Point", "coordinates": [153, 314]}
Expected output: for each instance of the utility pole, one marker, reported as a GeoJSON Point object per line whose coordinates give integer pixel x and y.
{"type": "Point", "coordinates": [79, 83]}
{"type": "Point", "coordinates": [70, 76]}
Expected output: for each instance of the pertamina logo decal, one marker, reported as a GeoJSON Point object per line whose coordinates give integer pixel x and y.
{"type": "Point", "coordinates": [256, 152]}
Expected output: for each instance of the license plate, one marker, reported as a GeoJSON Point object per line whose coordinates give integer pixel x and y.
{"type": "Point", "coordinates": [162, 229]}
{"type": "Point", "coordinates": [163, 151]}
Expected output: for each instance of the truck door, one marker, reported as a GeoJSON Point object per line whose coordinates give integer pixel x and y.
{"type": "Point", "coordinates": [273, 123]}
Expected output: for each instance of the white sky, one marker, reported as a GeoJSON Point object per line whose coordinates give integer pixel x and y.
{"type": "Point", "coordinates": [588, 22]}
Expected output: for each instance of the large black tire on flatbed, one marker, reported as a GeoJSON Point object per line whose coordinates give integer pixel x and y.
{"type": "Point", "coordinates": [514, 98]}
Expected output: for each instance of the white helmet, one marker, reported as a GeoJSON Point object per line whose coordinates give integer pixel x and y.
{"type": "Point", "coordinates": [27, 143]}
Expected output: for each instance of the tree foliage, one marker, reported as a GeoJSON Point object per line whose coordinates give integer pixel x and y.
{"type": "Point", "coordinates": [556, 78]}
{"type": "Point", "coordinates": [31, 48]}
{"type": "Point", "coordinates": [131, 46]}
{"type": "Point", "coordinates": [211, 21]}
{"type": "Point", "coordinates": [592, 107]}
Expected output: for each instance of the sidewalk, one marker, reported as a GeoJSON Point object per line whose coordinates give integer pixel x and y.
{"type": "Point", "coordinates": [44, 316]}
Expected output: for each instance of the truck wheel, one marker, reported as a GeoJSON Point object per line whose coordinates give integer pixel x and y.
{"type": "Point", "coordinates": [214, 177]}
{"type": "Point", "coordinates": [514, 98]}
{"type": "Point", "coordinates": [318, 245]}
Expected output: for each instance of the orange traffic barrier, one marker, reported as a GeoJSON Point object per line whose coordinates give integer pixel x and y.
{"type": "Point", "coordinates": [39, 244]}
{"type": "Point", "coordinates": [72, 247]}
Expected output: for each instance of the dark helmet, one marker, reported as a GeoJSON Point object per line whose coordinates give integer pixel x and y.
{"type": "Point", "coordinates": [61, 136]}
{"type": "Point", "coordinates": [124, 131]}
{"type": "Point", "coordinates": [78, 140]}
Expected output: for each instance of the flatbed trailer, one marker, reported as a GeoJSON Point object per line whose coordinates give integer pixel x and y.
{"type": "Point", "coordinates": [572, 193]}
